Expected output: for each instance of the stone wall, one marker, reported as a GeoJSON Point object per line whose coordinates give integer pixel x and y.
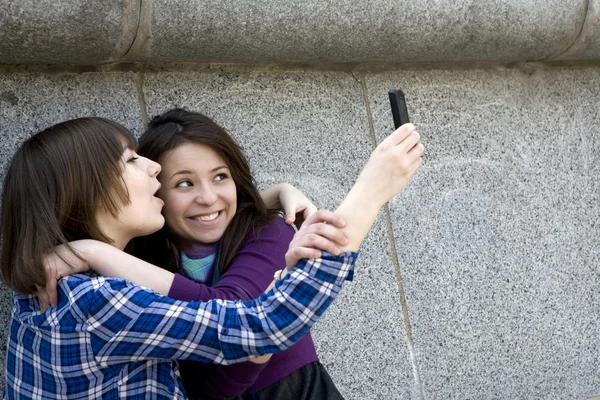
{"type": "Point", "coordinates": [481, 280]}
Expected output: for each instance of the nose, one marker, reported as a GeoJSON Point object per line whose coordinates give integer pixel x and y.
{"type": "Point", "coordinates": [205, 195]}
{"type": "Point", "coordinates": [154, 168]}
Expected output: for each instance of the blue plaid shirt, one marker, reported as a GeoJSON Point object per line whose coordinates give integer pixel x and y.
{"type": "Point", "coordinates": [109, 338]}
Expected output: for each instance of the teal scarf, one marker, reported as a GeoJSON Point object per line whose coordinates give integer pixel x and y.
{"type": "Point", "coordinates": [199, 269]}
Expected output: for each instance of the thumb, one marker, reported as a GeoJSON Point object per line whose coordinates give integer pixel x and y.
{"type": "Point", "coordinates": [310, 210]}
{"type": "Point", "coordinates": [290, 217]}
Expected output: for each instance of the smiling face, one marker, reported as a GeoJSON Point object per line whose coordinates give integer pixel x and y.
{"type": "Point", "coordinates": [199, 193]}
{"type": "Point", "coordinates": [142, 215]}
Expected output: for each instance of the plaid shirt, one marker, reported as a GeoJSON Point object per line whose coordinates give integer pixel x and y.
{"type": "Point", "coordinates": [109, 338]}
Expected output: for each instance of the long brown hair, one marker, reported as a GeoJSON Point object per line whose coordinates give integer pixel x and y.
{"type": "Point", "coordinates": [177, 127]}
{"type": "Point", "coordinates": [54, 185]}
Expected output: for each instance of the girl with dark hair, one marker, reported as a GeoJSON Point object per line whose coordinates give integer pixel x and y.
{"type": "Point", "coordinates": [147, 339]}
{"type": "Point", "coordinates": [224, 243]}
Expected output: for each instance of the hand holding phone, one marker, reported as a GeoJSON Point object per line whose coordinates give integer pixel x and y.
{"type": "Point", "coordinates": [399, 110]}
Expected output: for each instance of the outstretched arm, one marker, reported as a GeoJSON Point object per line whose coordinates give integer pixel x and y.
{"type": "Point", "coordinates": [389, 169]}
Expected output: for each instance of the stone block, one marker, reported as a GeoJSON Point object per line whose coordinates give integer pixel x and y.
{"type": "Point", "coordinates": [356, 31]}
{"type": "Point", "coordinates": [498, 233]}
{"type": "Point", "coordinates": [66, 31]}
{"type": "Point", "coordinates": [311, 129]}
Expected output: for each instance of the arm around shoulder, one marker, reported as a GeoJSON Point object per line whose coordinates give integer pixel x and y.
{"type": "Point", "coordinates": [211, 331]}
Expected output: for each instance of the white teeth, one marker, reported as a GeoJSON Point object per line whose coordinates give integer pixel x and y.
{"type": "Point", "coordinates": [207, 217]}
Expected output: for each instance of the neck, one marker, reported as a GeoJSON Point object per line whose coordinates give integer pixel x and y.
{"type": "Point", "coordinates": [118, 236]}
{"type": "Point", "coordinates": [114, 230]}
{"type": "Point", "coordinates": [198, 250]}
{"type": "Point", "coordinates": [120, 243]}
{"type": "Point", "coordinates": [188, 245]}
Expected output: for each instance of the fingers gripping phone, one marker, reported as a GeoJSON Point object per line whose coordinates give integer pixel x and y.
{"type": "Point", "coordinates": [399, 110]}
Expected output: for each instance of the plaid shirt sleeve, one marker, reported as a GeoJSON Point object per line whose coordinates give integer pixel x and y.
{"type": "Point", "coordinates": [128, 323]}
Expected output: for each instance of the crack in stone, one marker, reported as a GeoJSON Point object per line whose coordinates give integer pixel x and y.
{"type": "Point", "coordinates": [128, 46]}
{"type": "Point", "coordinates": [142, 29]}
{"type": "Point", "coordinates": [394, 256]}
{"type": "Point", "coordinates": [579, 35]}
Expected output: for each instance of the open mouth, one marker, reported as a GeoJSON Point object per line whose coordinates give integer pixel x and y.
{"type": "Point", "coordinates": [155, 195]}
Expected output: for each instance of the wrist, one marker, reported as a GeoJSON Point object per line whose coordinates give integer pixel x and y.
{"type": "Point", "coordinates": [91, 251]}
{"type": "Point", "coordinates": [359, 212]}
{"type": "Point", "coordinates": [370, 190]}
{"type": "Point", "coordinates": [362, 200]}
{"type": "Point", "coordinates": [270, 196]}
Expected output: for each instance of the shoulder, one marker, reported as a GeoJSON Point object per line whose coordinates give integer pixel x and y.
{"type": "Point", "coordinates": [93, 292]}
{"type": "Point", "coordinates": [76, 295]}
{"type": "Point", "coordinates": [81, 284]}
{"type": "Point", "coordinates": [277, 229]}
{"type": "Point", "coordinates": [85, 289]}
{"type": "Point", "coordinates": [263, 253]}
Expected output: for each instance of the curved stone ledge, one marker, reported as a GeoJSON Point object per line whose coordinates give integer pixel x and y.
{"type": "Point", "coordinates": [587, 45]}
{"type": "Point", "coordinates": [359, 31]}
{"type": "Point", "coordinates": [66, 31]}
{"type": "Point", "coordinates": [91, 32]}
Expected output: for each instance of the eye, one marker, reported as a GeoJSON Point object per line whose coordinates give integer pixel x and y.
{"type": "Point", "coordinates": [221, 177]}
{"type": "Point", "coordinates": [183, 184]}
{"type": "Point", "coordinates": [132, 159]}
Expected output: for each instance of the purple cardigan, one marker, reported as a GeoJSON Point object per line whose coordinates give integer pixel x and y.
{"type": "Point", "coordinates": [249, 275]}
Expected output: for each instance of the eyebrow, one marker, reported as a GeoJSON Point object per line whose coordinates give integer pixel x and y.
{"type": "Point", "coordinates": [187, 171]}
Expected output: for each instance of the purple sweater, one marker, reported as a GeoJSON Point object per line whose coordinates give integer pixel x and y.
{"type": "Point", "coordinates": [249, 275]}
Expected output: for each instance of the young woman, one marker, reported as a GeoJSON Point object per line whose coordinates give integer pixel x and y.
{"type": "Point", "coordinates": [110, 338]}
{"type": "Point", "coordinates": [225, 244]}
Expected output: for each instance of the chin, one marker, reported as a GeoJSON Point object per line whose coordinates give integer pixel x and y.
{"type": "Point", "coordinates": [209, 240]}
{"type": "Point", "coordinates": [155, 227]}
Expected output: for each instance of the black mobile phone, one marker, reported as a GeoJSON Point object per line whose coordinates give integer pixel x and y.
{"type": "Point", "coordinates": [399, 110]}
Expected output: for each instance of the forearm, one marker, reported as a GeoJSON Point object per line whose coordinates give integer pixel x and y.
{"type": "Point", "coordinates": [107, 260]}
{"type": "Point", "coordinates": [359, 212]}
{"type": "Point", "coordinates": [389, 169]}
{"type": "Point", "coordinates": [286, 313]}
{"type": "Point", "coordinates": [270, 195]}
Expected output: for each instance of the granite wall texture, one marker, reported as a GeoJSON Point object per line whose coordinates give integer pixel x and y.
{"type": "Point", "coordinates": [481, 280]}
